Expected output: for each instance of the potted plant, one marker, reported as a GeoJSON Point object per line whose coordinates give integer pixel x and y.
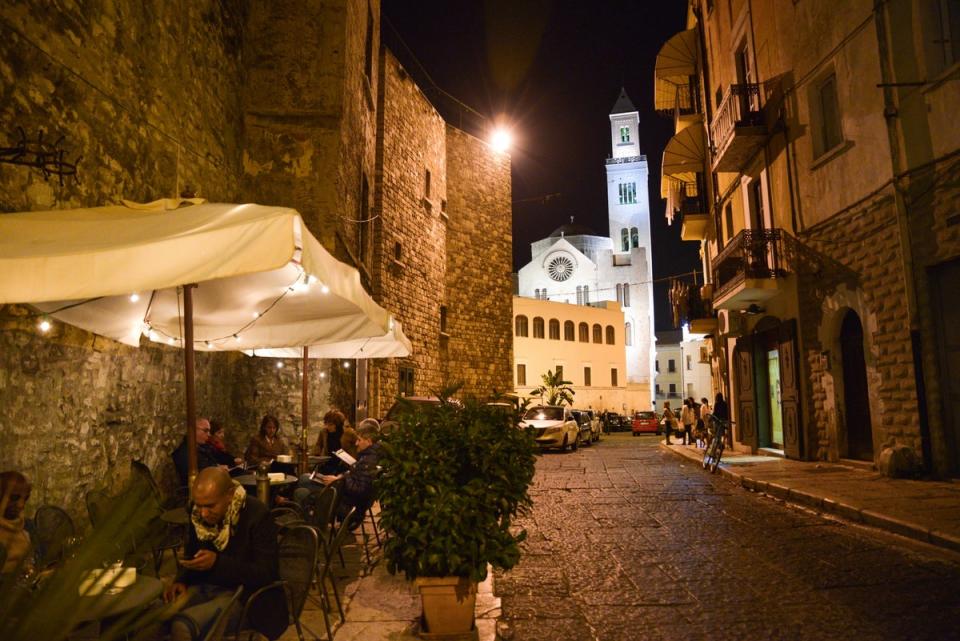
{"type": "Point", "coordinates": [453, 478]}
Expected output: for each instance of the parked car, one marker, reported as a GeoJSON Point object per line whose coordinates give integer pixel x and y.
{"type": "Point", "coordinates": [583, 422]}
{"type": "Point", "coordinates": [552, 426]}
{"type": "Point", "coordinates": [596, 426]}
{"type": "Point", "coordinates": [645, 422]}
{"type": "Point", "coordinates": [404, 402]}
{"type": "Point", "coordinates": [617, 423]}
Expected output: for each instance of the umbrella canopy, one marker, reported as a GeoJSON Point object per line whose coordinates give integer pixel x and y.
{"type": "Point", "coordinates": [676, 62]}
{"type": "Point", "coordinates": [684, 154]}
{"type": "Point", "coordinates": [392, 344]}
{"type": "Point", "coordinates": [263, 281]}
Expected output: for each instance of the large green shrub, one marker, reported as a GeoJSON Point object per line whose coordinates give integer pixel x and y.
{"type": "Point", "coordinates": [453, 478]}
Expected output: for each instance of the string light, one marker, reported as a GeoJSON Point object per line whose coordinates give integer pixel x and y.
{"type": "Point", "coordinates": [346, 364]}
{"type": "Point", "coordinates": [325, 289]}
{"type": "Point", "coordinates": [152, 335]}
{"type": "Point", "coordinates": [256, 314]}
{"type": "Point", "coordinates": [44, 325]}
{"type": "Point", "coordinates": [237, 338]}
{"type": "Point", "coordinates": [208, 344]}
{"type": "Point", "coordinates": [311, 279]}
{"type": "Point", "coordinates": [170, 340]}
{"type": "Point", "coordinates": [279, 364]}
{"type": "Point", "coordinates": [134, 297]}
{"type": "Point", "coordinates": [323, 374]}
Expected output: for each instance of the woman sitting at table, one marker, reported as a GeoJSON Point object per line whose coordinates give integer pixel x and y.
{"type": "Point", "coordinates": [267, 444]}
{"type": "Point", "coordinates": [14, 494]}
{"type": "Point", "coordinates": [329, 441]}
{"type": "Point", "coordinates": [219, 446]}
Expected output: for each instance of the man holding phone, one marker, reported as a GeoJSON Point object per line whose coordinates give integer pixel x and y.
{"type": "Point", "coordinates": [232, 541]}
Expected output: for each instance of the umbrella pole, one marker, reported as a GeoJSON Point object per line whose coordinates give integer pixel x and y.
{"type": "Point", "coordinates": [304, 416]}
{"type": "Point", "coordinates": [188, 377]}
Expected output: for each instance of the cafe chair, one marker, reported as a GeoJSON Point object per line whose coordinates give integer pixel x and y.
{"type": "Point", "coordinates": [297, 560]}
{"type": "Point", "coordinates": [218, 626]}
{"type": "Point", "coordinates": [286, 516]}
{"type": "Point", "coordinates": [51, 527]}
{"type": "Point", "coordinates": [330, 549]}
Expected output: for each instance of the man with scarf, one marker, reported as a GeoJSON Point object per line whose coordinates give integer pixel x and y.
{"type": "Point", "coordinates": [232, 542]}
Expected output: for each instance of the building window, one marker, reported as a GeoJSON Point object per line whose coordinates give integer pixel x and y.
{"type": "Point", "coordinates": [584, 333]}
{"type": "Point", "coordinates": [626, 294]}
{"type": "Point", "coordinates": [586, 377]}
{"type": "Point", "coordinates": [579, 295]}
{"type": "Point", "coordinates": [657, 389]}
{"type": "Point", "coordinates": [624, 134]}
{"type": "Point", "coordinates": [825, 116]}
{"type": "Point", "coordinates": [613, 377]}
{"type": "Point", "coordinates": [689, 363]}
{"type": "Point", "coordinates": [520, 326]}
{"type": "Point", "coordinates": [443, 319]}
{"type": "Point", "coordinates": [657, 364]}
{"type": "Point", "coordinates": [405, 381]}
{"type": "Point", "coordinates": [586, 294]}
{"type": "Point", "coordinates": [634, 237]}
{"type": "Point", "coordinates": [597, 333]}
{"type": "Point", "coordinates": [628, 334]}
{"type": "Point", "coordinates": [426, 184]}
{"type": "Point", "coordinates": [728, 215]}
{"type": "Point", "coordinates": [397, 252]}
{"type": "Point", "coordinates": [941, 27]}
{"type": "Point", "coordinates": [521, 374]}
{"type": "Point", "coordinates": [671, 364]}
{"type": "Point", "coordinates": [673, 389]}
{"type": "Point", "coordinates": [704, 356]}
{"type": "Point", "coordinates": [569, 331]}
{"type": "Point", "coordinates": [611, 335]}
{"type": "Point", "coordinates": [537, 327]}
{"type": "Point", "coordinates": [628, 193]}
{"type": "Point", "coordinates": [560, 372]}
{"type": "Point", "coordinates": [554, 329]}
{"type": "Point", "coordinates": [625, 239]}
{"type": "Point", "coordinates": [620, 293]}
{"type": "Point", "coordinates": [363, 227]}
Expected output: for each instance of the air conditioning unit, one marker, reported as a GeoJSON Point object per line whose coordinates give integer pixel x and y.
{"type": "Point", "coordinates": [731, 322]}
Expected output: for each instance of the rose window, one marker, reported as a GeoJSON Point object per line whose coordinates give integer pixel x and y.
{"type": "Point", "coordinates": [560, 268]}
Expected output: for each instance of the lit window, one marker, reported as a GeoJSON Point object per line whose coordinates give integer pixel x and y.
{"type": "Point", "coordinates": [634, 237]}
{"type": "Point", "coordinates": [625, 239]}
{"type": "Point", "coordinates": [628, 193]}
{"type": "Point", "coordinates": [624, 134]}
{"type": "Point", "coordinates": [521, 374]}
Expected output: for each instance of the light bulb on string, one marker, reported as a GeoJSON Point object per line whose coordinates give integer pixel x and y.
{"type": "Point", "coordinates": [325, 289]}
{"type": "Point", "coordinates": [170, 341]}
{"type": "Point", "coordinates": [279, 364]}
{"type": "Point", "coordinates": [134, 297]}
{"type": "Point", "coordinates": [323, 374]}
{"type": "Point", "coordinates": [152, 335]}
{"type": "Point", "coordinates": [208, 344]}
{"type": "Point", "coordinates": [311, 279]}
{"type": "Point", "coordinates": [256, 314]}
{"type": "Point", "coordinates": [44, 325]}
{"type": "Point", "coordinates": [346, 364]}
{"type": "Point", "coordinates": [237, 338]}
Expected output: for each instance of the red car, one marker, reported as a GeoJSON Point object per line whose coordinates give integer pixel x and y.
{"type": "Point", "coordinates": [645, 422]}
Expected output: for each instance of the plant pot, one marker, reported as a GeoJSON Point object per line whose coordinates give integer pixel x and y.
{"type": "Point", "coordinates": [448, 604]}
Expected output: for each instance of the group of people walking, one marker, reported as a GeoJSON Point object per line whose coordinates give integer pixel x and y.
{"type": "Point", "coordinates": [690, 422]}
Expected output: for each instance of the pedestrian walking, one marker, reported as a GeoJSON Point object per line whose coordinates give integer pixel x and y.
{"type": "Point", "coordinates": [688, 418]}
{"type": "Point", "coordinates": [669, 420]}
{"type": "Point", "coordinates": [705, 413]}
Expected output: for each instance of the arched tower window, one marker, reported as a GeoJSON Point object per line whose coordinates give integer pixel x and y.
{"type": "Point", "coordinates": [586, 294]}
{"type": "Point", "coordinates": [626, 294]}
{"type": "Point", "coordinates": [554, 329]}
{"type": "Point", "coordinates": [611, 335]}
{"type": "Point", "coordinates": [634, 237]}
{"type": "Point", "coordinates": [628, 334]}
{"type": "Point", "coordinates": [597, 333]}
{"type": "Point", "coordinates": [537, 327]}
{"type": "Point", "coordinates": [520, 325]}
{"type": "Point", "coordinates": [569, 331]}
{"type": "Point", "coordinates": [584, 333]}
{"type": "Point", "coordinates": [620, 293]}
{"type": "Point", "coordinates": [579, 295]}
{"type": "Point", "coordinates": [625, 239]}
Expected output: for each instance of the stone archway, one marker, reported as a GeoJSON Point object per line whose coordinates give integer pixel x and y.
{"type": "Point", "coordinates": [856, 401]}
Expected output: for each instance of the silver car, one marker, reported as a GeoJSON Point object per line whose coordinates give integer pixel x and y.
{"type": "Point", "coordinates": [552, 426]}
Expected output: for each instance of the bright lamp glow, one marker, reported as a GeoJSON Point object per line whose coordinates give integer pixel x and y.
{"type": "Point", "coordinates": [44, 325]}
{"type": "Point", "coordinates": [501, 139]}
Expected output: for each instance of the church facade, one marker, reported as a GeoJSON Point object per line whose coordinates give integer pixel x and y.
{"type": "Point", "coordinates": [575, 266]}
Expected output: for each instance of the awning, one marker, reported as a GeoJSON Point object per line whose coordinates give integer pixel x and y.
{"type": "Point", "coordinates": [684, 155]}
{"type": "Point", "coordinates": [392, 344]}
{"type": "Point", "coordinates": [263, 281]}
{"type": "Point", "coordinates": [676, 62]}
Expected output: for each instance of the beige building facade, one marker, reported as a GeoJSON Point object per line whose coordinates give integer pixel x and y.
{"type": "Point", "coordinates": [683, 368]}
{"type": "Point", "coordinates": [586, 342]}
{"type": "Point", "coordinates": [822, 189]}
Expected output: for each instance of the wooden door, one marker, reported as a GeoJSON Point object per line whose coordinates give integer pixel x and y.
{"type": "Point", "coordinates": [745, 393]}
{"type": "Point", "coordinates": [790, 390]}
{"type": "Point", "coordinates": [946, 291]}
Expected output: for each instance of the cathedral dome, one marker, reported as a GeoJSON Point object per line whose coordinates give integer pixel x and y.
{"type": "Point", "coordinates": [571, 230]}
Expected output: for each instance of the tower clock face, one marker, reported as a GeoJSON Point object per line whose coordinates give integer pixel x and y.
{"type": "Point", "coordinates": [560, 267]}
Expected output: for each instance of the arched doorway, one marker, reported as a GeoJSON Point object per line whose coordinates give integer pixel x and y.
{"type": "Point", "coordinates": [856, 402]}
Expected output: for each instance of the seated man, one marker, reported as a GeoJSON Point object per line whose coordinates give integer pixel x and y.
{"type": "Point", "coordinates": [232, 541]}
{"type": "Point", "coordinates": [205, 454]}
{"type": "Point", "coordinates": [14, 494]}
{"type": "Point", "coordinates": [357, 483]}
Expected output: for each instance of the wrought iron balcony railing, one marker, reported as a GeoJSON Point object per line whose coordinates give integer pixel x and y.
{"type": "Point", "coordinates": [689, 305]}
{"type": "Point", "coordinates": [740, 107]}
{"type": "Point", "coordinates": [753, 253]}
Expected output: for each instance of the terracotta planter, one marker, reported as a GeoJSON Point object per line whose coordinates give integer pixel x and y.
{"type": "Point", "coordinates": [448, 604]}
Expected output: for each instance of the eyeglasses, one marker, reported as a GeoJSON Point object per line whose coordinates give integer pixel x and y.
{"type": "Point", "coordinates": [205, 431]}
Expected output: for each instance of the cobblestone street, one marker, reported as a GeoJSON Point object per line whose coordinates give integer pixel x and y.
{"type": "Point", "coordinates": [628, 542]}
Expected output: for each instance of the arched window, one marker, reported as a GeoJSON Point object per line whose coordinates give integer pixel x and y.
{"type": "Point", "coordinates": [568, 331]}
{"type": "Point", "coordinates": [536, 294]}
{"type": "Point", "coordinates": [597, 333]}
{"type": "Point", "coordinates": [634, 237]}
{"type": "Point", "coordinates": [520, 325]}
{"type": "Point", "coordinates": [611, 336]}
{"type": "Point", "coordinates": [626, 294]}
{"type": "Point", "coordinates": [628, 334]}
{"type": "Point", "coordinates": [579, 295]}
{"type": "Point", "coordinates": [543, 294]}
{"type": "Point", "coordinates": [584, 333]}
{"type": "Point", "coordinates": [537, 327]}
{"type": "Point", "coordinates": [625, 239]}
{"type": "Point", "coordinates": [586, 295]}
{"type": "Point", "coordinates": [554, 329]}
{"type": "Point", "coordinates": [619, 293]}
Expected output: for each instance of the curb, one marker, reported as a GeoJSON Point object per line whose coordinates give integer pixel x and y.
{"type": "Point", "coordinates": [845, 511]}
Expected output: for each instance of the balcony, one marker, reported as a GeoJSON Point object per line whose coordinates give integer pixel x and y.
{"type": "Point", "coordinates": [738, 130]}
{"type": "Point", "coordinates": [749, 270]}
{"type": "Point", "coordinates": [693, 214]}
{"type": "Point", "coordinates": [692, 306]}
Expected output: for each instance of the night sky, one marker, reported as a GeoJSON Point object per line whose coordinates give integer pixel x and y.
{"type": "Point", "coordinates": [553, 70]}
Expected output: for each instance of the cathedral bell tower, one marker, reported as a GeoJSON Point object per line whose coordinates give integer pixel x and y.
{"type": "Point", "coordinates": [628, 203]}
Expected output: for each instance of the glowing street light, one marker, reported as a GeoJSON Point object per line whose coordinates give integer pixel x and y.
{"type": "Point", "coordinates": [501, 139]}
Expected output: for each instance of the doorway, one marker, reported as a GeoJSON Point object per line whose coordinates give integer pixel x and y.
{"type": "Point", "coordinates": [945, 280]}
{"type": "Point", "coordinates": [773, 391]}
{"type": "Point", "coordinates": [856, 403]}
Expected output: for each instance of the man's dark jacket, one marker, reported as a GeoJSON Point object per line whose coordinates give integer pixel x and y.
{"type": "Point", "coordinates": [205, 458]}
{"type": "Point", "coordinates": [250, 560]}
{"type": "Point", "coordinates": [358, 482]}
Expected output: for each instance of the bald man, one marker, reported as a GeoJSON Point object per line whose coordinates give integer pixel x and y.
{"type": "Point", "coordinates": [232, 542]}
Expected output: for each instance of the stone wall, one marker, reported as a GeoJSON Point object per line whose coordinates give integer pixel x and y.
{"type": "Point", "coordinates": [479, 350]}
{"type": "Point", "coordinates": [409, 231]}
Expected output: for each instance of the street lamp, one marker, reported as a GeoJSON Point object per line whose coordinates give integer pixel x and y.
{"type": "Point", "coordinates": [501, 139]}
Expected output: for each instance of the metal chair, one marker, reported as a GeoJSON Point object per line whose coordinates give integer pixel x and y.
{"type": "Point", "coordinates": [52, 526]}
{"type": "Point", "coordinates": [331, 548]}
{"type": "Point", "coordinates": [286, 516]}
{"type": "Point", "coordinates": [215, 632]}
{"type": "Point", "coordinates": [297, 561]}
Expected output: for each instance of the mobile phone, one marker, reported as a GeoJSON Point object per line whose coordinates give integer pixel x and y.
{"type": "Point", "coordinates": [184, 557]}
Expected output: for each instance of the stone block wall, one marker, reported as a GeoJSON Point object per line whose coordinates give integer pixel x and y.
{"type": "Point", "coordinates": [479, 350]}
{"type": "Point", "coordinates": [853, 261]}
{"type": "Point", "coordinates": [410, 234]}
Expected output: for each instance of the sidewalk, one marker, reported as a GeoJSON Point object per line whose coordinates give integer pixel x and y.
{"type": "Point", "coordinates": [928, 511]}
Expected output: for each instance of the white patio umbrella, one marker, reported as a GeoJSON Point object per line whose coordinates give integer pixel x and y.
{"type": "Point", "coordinates": [262, 280]}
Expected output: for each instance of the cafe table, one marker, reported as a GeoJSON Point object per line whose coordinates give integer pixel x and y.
{"type": "Point", "coordinates": [108, 604]}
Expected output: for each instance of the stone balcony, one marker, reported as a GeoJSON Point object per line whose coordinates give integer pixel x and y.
{"type": "Point", "coordinates": [749, 270]}
{"type": "Point", "coordinates": [738, 129]}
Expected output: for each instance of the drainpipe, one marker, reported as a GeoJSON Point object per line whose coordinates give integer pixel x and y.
{"type": "Point", "coordinates": [891, 115]}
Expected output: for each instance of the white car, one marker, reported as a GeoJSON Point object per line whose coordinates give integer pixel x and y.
{"type": "Point", "coordinates": [552, 426]}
